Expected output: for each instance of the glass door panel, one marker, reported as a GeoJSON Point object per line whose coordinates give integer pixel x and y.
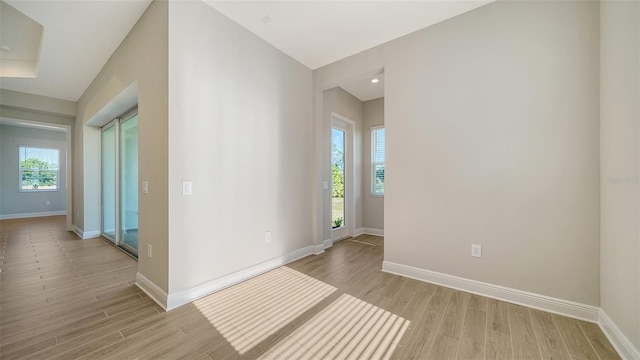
{"type": "Point", "coordinates": [109, 182]}
{"type": "Point", "coordinates": [129, 184]}
{"type": "Point", "coordinates": [337, 178]}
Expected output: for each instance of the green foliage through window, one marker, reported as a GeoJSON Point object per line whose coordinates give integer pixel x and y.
{"type": "Point", "coordinates": [377, 160]}
{"type": "Point", "coordinates": [39, 168]}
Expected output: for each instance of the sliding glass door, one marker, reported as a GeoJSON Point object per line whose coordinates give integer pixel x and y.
{"type": "Point", "coordinates": [120, 182]}
{"type": "Point", "coordinates": [129, 183]}
{"type": "Point", "coordinates": [109, 182]}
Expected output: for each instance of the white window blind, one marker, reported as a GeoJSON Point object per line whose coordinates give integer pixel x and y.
{"type": "Point", "coordinates": [377, 160]}
{"type": "Point", "coordinates": [39, 168]}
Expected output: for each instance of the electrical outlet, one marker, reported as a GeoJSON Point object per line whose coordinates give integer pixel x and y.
{"type": "Point", "coordinates": [267, 236]}
{"type": "Point", "coordinates": [47, 202]}
{"type": "Point", "coordinates": [145, 187]}
{"type": "Point", "coordinates": [476, 250]}
{"type": "Point", "coordinates": [149, 250]}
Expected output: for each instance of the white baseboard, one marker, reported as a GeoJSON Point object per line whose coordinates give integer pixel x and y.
{"type": "Point", "coordinates": [537, 301]}
{"type": "Point", "coordinates": [620, 342]}
{"type": "Point", "coordinates": [150, 288]}
{"type": "Point", "coordinates": [85, 234]}
{"type": "Point", "coordinates": [319, 249]}
{"type": "Point", "coordinates": [183, 297]}
{"type": "Point", "coordinates": [371, 231]}
{"type": "Point", "coordinates": [368, 231]}
{"type": "Point", "coordinates": [32, 215]}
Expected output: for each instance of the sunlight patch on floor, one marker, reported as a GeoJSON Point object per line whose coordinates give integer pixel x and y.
{"type": "Point", "coordinates": [248, 313]}
{"type": "Point", "coordinates": [349, 328]}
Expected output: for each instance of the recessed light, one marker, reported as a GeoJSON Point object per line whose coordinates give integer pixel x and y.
{"type": "Point", "coordinates": [375, 80]}
{"type": "Point", "coordinates": [267, 19]}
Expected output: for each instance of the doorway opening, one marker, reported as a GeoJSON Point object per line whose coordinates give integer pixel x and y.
{"type": "Point", "coordinates": [342, 177]}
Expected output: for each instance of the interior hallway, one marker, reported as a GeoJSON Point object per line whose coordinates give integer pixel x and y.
{"type": "Point", "coordinates": [65, 298]}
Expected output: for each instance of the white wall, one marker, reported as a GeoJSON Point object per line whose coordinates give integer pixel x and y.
{"type": "Point", "coordinates": [373, 206]}
{"type": "Point", "coordinates": [16, 203]}
{"type": "Point", "coordinates": [492, 138]}
{"type": "Point", "coordinates": [341, 102]}
{"type": "Point", "coordinates": [240, 130]}
{"type": "Point", "coordinates": [136, 72]}
{"type": "Point", "coordinates": [619, 156]}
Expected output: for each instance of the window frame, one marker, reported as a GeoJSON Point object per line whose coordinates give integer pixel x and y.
{"type": "Point", "coordinates": [374, 163]}
{"type": "Point", "coordinates": [20, 184]}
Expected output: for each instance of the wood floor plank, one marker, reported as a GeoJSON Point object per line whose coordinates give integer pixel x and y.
{"type": "Point", "coordinates": [523, 337]}
{"type": "Point", "coordinates": [542, 319]}
{"type": "Point", "coordinates": [472, 341]}
{"type": "Point", "coordinates": [454, 315]}
{"type": "Point", "coordinates": [423, 330]}
{"type": "Point", "coordinates": [551, 344]}
{"type": "Point", "coordinates": [184, 346]}
{"type": "Point", "coordinates": [498, 346]}
{"type": "Point", "coordinates": [66, 298]}
{"type": "Point", "coordinates": [418, 304]}
{"type": "Point", "coordinates": [498, 318]}
{"type": "Point", "coordinates": [599, 341]}
{"type": "Point", "coordinates": [22, 348]}
{"type": "Point", "coordinates": [479, 302]}
{"type": "Point", "coordinates": [65, 351]}
{"type": "Point", "coordinates": [575, 339]}
{"type": "Point", "coordinates": [443, 347]}
{"type": "Point", "coordinates": [420, 337]}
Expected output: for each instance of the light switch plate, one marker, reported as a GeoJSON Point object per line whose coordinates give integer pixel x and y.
{"type": "Point", "coordinates": [187, 188]}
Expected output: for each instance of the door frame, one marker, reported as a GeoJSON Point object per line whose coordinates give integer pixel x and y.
{"type": "Point", "coordinates": [121, 120]}
{"type": "Point", "coordinates": [116, 122]}
{"type": "Point", "coordinates": [347, 125]}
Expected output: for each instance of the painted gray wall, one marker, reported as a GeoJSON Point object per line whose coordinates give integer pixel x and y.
{"type": "Point", "coordinates": [620, 164]}
{"type": "Point", "coordinates": [44, 105]}
{"type": "Point", "coordinates": [493, 138]}
{"type": "Point", "coordinates": [14, 202]}
{"type": "Point", "coordinates": [240, 130]}
{"type": "Point", "coordinates": [373, 206]}
{"type": "Point", "coordinates": [136, 72]}
{"type": "Point", "coordinates": [341, 102]}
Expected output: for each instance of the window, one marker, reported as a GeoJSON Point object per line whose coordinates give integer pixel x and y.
{"type": "Point", "coordinates": [39, 169]}
{"type": "Point", "coordinates": [377, 160]}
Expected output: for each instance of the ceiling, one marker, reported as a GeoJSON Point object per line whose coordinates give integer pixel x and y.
{"type": "Point", "coordinates": [80, 36]}
{"type": "Point", "coordinates": [364, 88]}
{"type": "Point", "coordinates": [317, 33]}
{"type": "Point", "coordinates": [21, 42]}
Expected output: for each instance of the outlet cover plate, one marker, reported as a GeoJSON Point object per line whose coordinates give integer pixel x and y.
{"type": "Point", "coordinates": [476, 250]}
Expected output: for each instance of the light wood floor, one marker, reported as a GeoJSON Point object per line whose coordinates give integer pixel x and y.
{"type": "Point", "coordinates": [65, 298]}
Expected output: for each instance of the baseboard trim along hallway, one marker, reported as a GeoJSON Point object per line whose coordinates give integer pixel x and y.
{"type": "Point", "coordinates": [85, 234]}
{"type": "Point", "coordinates": [32, 215]}
{"type": "Point", "coordinates": [568, 308]}
{"type": "Point", "coordinates": [620, 342]}
{"type": "Point", "coordinates": [174, 300]}
{"type": "Point", "coordinates": [536, 301]}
